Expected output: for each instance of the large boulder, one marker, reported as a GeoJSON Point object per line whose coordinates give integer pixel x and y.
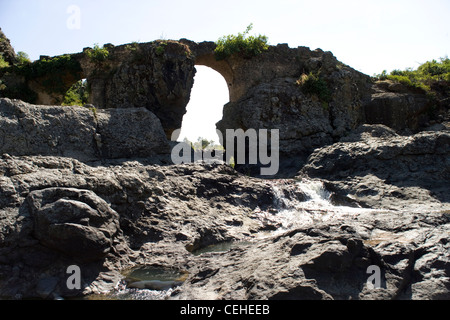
{"type": "Point", "coordinates": [128, 133]}
{"type": "Point", "coordinates": [304, 123]}
{"type": "Point", "coordinates": [74, 222]}
{"type": "Point", "coordinates": [82, 133]}
{"type": "Point", "coordinates": [397, 106]}
{"type": "Point", "coordinates": [48, 224]}
{"type": "Point", "coordinates": [46, 130]}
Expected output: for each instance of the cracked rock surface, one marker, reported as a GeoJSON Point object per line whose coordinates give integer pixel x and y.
{"type": "Point", "coordinates": [287, 243]}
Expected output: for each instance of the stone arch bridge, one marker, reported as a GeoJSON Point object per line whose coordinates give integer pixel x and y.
{"type": "Point", "coordinates": [266, 91]}
{"type": "Point", "coordinates": [159, 75]}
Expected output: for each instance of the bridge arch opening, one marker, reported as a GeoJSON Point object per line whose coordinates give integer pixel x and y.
{"type": "Point", "coordinates": [205, 108]}
{"type": "Point", "coordinates": [77, 95]}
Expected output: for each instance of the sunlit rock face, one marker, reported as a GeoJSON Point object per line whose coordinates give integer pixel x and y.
{"type": "Point", "coordinates": [267, 91]}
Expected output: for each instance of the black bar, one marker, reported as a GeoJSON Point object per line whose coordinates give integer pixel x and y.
{"type": "Point", "coordinates": [223, 309]}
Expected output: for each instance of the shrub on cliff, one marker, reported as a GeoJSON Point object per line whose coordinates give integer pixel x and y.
{"type": "Point", "coordinates": [98, 54]}
{"type": "Point", "coordinates": [48, 66]}
{"type": "Point", "coordinates": [50, 72]}
{"type": "Point", "coordinates": [313, 84]}
{"type": "Point", "coordinates": [436, 70]}
{"type": "Point", "coordinates": [22, 58]}
{"type": "Point", "coordinates": [77, 95]}
{"type": "Point", "coordinates": [3, 63]}
{"type": "Point", "coordinates": [247, 46]}
{"type": "Point", "coordinates": [426, 74]}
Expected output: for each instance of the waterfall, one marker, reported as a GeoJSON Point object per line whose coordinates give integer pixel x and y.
{"type": "Point", "coordinates": [303, 203]}
{"type": "Point", "coordinates": [315, 190]}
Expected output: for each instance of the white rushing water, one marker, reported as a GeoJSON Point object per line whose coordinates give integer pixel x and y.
{"type": "Point", "coordinates": [296, 204]}
{"type": "Point", "coordinates": [122, 292]}
{"type": "Point", "coordinates": [303, 204]}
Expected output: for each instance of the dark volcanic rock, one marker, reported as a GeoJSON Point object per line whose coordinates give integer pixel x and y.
{"type": "Point", "coordinates": [276, 100]}
{"type": "Point", "coordinates": [382, 169]}
{"type": "Point", "coordinates": [127, 133]}
{"type": "Point", "coordinates": [333, 262]}
{"type": "Point", "coordinates": [6, 50]}
{"type": "Point", "coordinates": [157, 76]}
{"type": "Point", "coordinates": [396, 110]}
{"type": "Point", "coordinates": [266, 91]}
{"type": "Point", "coordinates": [58, 212]}
{"type": "Point", "coordinates": [75, 222]}
{"type": "Point", "coordinates": [80, 186]}
{"type": "Point", "coordinates": [44, 130]}
{"type": "Point", "coordinates": [80, 133]}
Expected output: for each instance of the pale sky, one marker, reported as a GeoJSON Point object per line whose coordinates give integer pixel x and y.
{"type": "Point", "coordinates": [368, 35]}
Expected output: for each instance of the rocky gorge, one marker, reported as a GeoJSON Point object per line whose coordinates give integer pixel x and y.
{"type": "Point", "coordinates": [364, 181]}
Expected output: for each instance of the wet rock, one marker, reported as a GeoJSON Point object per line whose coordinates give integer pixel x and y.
{"type": "Point", "coordinates": [155, 285]}
{"type": "Point", "coordinates": [303, 265]}
{"type": "Point", "coordinates": [386, 170]}
{"type": "Point", "coordinates": [58, 209]}
{"type": "Point", "coordinates": [46, 286]}
{"type": "Point", "coordinates": [107, 218]}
